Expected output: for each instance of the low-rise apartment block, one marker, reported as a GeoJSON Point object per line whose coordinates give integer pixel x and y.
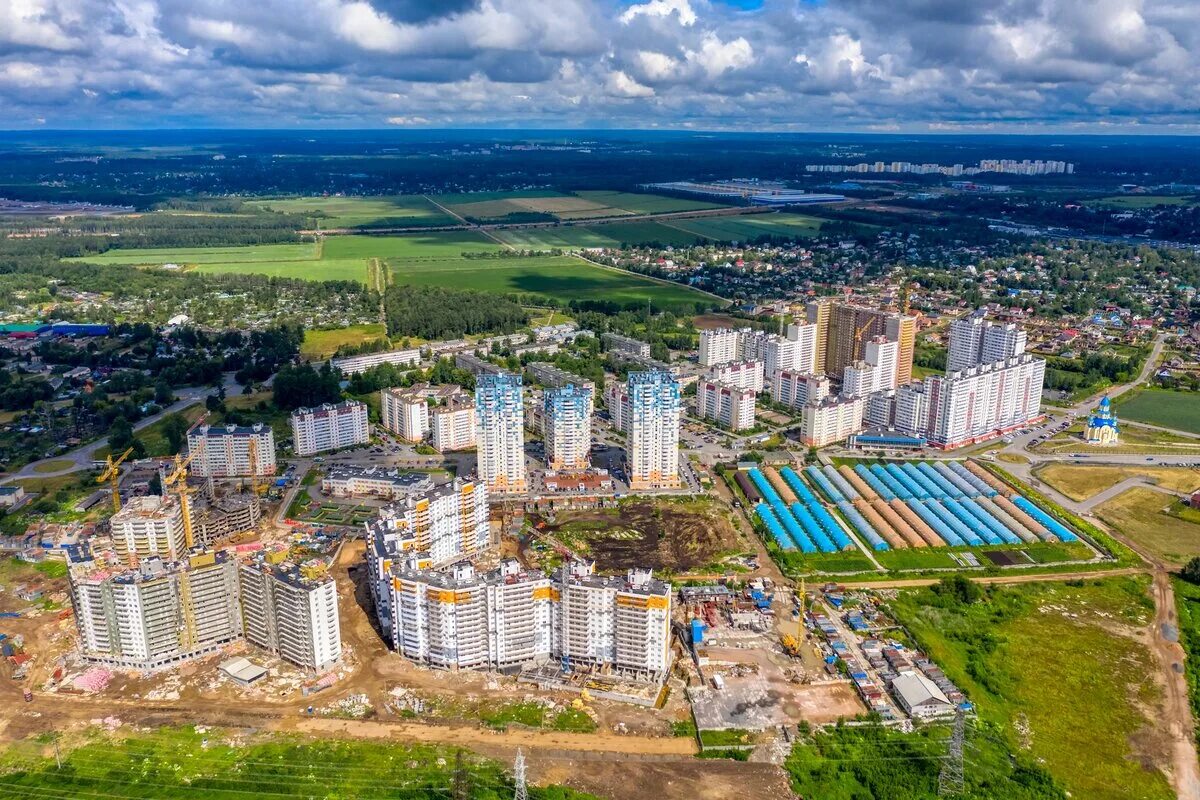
{"type": "Point", "coordinates": [384, 484]}
{"type": "Point", "coordinates": [624, 344]}
{"type": "Point", "coordinates": [352, 365]}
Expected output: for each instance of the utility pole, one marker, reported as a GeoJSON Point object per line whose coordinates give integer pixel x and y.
{"type": "Point", "coordinates": [950, 779]}
{"type": "Point", "coordinates": [522, 792]}
{"type": "Point", "coordinates": [57, 755]}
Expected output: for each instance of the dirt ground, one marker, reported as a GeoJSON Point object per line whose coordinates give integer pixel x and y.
{"type": "Point", "coordinates": [664, 536]}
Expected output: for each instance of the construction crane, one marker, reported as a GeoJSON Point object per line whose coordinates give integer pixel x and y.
{"type": "Point", "coordinates": [176, 482]}
{"type": "Point", "coordinates": [255, 485]}
{"type": "Point", "coordinates": [112, 473]}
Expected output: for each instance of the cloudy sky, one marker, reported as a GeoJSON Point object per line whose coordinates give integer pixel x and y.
{"type": "Point", "coordinates": [881, 65]}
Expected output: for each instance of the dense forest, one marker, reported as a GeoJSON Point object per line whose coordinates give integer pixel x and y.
{"type": "Point", "coordinates": [435, 313]}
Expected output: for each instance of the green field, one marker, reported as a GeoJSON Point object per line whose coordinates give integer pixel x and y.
{"type": "Point", "coordinates": [325, 269]}
{"type": "Point", "coordinates": [549, 204]}
{"type": "Point", "coordinates": [362, 212]}
{"type": "Point", "coordinates": [185, 256]}
{"type": "Point", "coordinates": [1145, 517]}
{"type": "Point", "coordinates": [748, 227]}
{"type": "Point", "coordinates": [182, 763]}
{"type": "Point", "coordinates": [1138, 201]}
{"type": "Point", "coordinates": [632, 203]}
{"type": "Point", "coordinates": [438, 244]}
{"type": "Point", "coordinates": [1061, 671]}
{"type": "Point", "coordinates": [321, 344]}
{"type": "Point", "coordinates": [1166, 408]}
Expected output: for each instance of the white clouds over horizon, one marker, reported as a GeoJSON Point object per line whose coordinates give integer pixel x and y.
{"type": "Point", "coordinates": [791, 64]}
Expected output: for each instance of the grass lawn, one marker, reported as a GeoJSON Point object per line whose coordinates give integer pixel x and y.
{"type": "Point", "coordinates": [362, 212]}
{"type": "Point", "coordinates": [178, 762]}
{"type": "Point", "coordinates": [1080, 482]}
{"type": "Point", "coordinates": [1134, 440]}
{"type": "Point", "coordinates": [1143, 515]}
{"type": "Point", "coordinates": [1187, 607]}
{"type": "Point", "coordinates": [321, 344]}
{"type": "Point", "coordinates": [1166, 408]}
{"type": "Point", "coordinates": [53, 465]}
{"type": "Point", "coordinates": [1059, 671]}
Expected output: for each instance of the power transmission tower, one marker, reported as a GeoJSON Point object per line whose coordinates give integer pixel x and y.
{"type": "Point", "coordinates": [950, 779]}
{"type": "Point", "coordinates": [522, 793]}
{"type": "Point", "coordinates": [460, 788]}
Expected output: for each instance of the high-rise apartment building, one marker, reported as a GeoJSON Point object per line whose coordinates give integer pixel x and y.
{"type": "Point", "coordinates": [795, 389]}
{"type": "Point", "coordinates": [830, 420]}
{"type": "Point", "coordinates": [510, 617]}
{"type": "Point", "coordinates": [500, 434]}
{"type": "Point", "coordinates": [653, 438]}
{"type": "Point", "coordinates": [149, 526]}
{"type": "Point", "coordinates": [404, 412]}
{"type": "Point", "coordinates": [976, 340]}
{"type": "Point", "coordinates": [453, 425]}
{"type": "Point", "coordinates": [728, 405]}
{"type": "Point", "coordinates": [158, 615]}
{"type": "Point", "coordinates": [232, 451]}
{"type": "Point", "coordinates": [742, 374]}
{"type": "Point", "coordinates": [719, 346]}
{"type": "Point", "coordinates": [291, 611]}
{"type": "Point", "coordinates": [843, 331]}
{"type": "Point", "coordinates": [330, 427]}
{"type": "Point", "coordinates": [875, 373]}
{"type": "Point", "coordinates": [567, 427]}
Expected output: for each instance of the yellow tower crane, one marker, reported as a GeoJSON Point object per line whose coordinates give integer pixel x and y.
{"type": "Point", "coordinates": [176, 482]}
{"type": "Point", "coordinates": [112, 473]}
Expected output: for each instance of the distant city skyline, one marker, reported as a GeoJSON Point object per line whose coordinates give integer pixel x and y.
{"type": "Point", "coordinates": [917, 66]}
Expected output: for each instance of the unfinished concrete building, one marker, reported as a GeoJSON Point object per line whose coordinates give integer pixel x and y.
{"type": "Point", "coordinates": [291, 610]}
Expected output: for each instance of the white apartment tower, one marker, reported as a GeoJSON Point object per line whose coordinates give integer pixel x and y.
{"type": "Point", "coordinates": [719, 346]}
{"type": "Point", "coordinates": [330, 427]}
{"type": "Point", "coordinates": [232, 451]}
{"type": "Point", "coordinates": [568, 427]}
{"type": "Point", "coordinates": [728, 405]}
{"type": "Point", "coordinates": [405, 413]}
{"type": "Point", "coordinates": [500, 435]}
{"type": "Point", "coordinates": [452, 425]}
{"type": "Point", "coordinates": [742, 374]}
{"type": "Point", "coordinates": [795, 389]}
{"type": "Point", "coordinates": [653, 438]}
{"type": "Point", "coordinates": [830, 420]}
{"type": "Point", "coordinates": [876, 372]}
{"type": "Point", "coordinates": [976, 340]}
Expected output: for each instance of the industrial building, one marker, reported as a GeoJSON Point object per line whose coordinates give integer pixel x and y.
{"type": "Point", "coordinates": [291, 611]}
{"type": "Point", "coordinates": [509, 617]}
{"type": "Point", "coordinates": [330, 427]}
{"type": "Point", "coordinates": [730, 406]}
{"type": "Point", "coordinates": [378, 482]}
{"type": "Point", "coordinates": [653, 425]}
{"type": "Point", "coordinates": [232, 451]}
{"type": "Point", "coordinates": [352, 365]}
{"type": "Point", "coordinates": [567, 427]}
{"type": "Point", "coordinates": [160, 614]}
{"type": "Point", "coordinates": [500, 438]}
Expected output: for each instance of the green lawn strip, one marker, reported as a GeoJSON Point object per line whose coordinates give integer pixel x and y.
{"type": "Point", "coordinates": [1167, 408]}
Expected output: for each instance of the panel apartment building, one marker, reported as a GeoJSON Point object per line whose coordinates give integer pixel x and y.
{"type": "Point", "coordinates": [330, 427]}
{"type": "Point", "coordinates": [509, 617]}
{"type": "Point", "coordinates": [653, 430]}
{"type": "Point", "coordinates": [728, 405]}
{"type": "Point", "coordinates": [291, 611]}
{"type": "Point", "coordinates": [158, 615]}
{"type": "Point", "coordinates": [439, 527]}
{"type": "Point", "coordinates": [232, 451]}
{"type": "Point", "coordinates": [843, 331]}
{"type": "Point", "coordinates": [352, 365]}
{"type": "Point", "coordinates": [409, 412]}
{"type": "Point", "coordinates": [500, 444]}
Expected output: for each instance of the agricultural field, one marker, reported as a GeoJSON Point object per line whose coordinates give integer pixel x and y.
{"type": "Point", "coordinates": [399, 249]}
{"type": "Point", "coordinates": [749, 227]}
{"type": "Point", "coordinates": [321, 344]}
{"type": "Point", "coordinates": [1166, 408]}
{"type": "Point", "coordinates": [1152, 520]}
{"type": "Point", "coordinates": [1060, 675]}
{"type": "Point", "coordinates": [400, 211]}
{"type": "Point", "coordinates": [177, 762]}
{"type": "Point", "coordinates": [631, 203]}
{"type": "Point", "coordinates": [504, 207]}
{"type": "Point", "coordinates": [188, 256]}
{"type": "Point", "coordinates": [1080, 482]}
{"type": "Point", "coordinates": [1133, 202]}
{"type": "Point", "coordinates": [325, 269]}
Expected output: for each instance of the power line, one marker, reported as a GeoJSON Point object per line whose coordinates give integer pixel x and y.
{"type": "Point", "coordinates": [951, 778]}
{"type": "Point", "coordinates": [521, 793]}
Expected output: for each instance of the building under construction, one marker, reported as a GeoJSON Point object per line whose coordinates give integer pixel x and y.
{"type": "Point", "coordinates": [291, 611]}
{"type": "Point", "coordinates": [155, 526]}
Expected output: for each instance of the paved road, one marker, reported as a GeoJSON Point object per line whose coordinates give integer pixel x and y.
{"type": "Point", "coordinates": [81, 458]}
{"type": "Point", "coordinates": [1083, 408]}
